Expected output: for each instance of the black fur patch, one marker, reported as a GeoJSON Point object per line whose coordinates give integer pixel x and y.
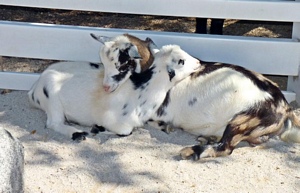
{"type": "Point", "coordinates": [144, 102]}
{"type": "Point", "coordinates": [120, 76]}
{"type": "Point", "coordinates": [192, 101]}
{"type": "Point", "coordinates": [161, 123]}
{"type": "Point", "coordinates": [124, 56]}
{"type": "Point", "coordinates": [94, 65]}
{"type": "Point", "coordinates": [198, 150]}
{"type": "Point", "coordinates": [161, 110]}
{"type": "Point", "coordinates": [79, 136]}
{"type": "Point", "coordinates": [124, 106]}
{"type": "Point", "coordinates": [130, 66]}
{"type": "Point", "coordinates": [46, 92]}
{"type": "Point", "coordinates": [171, 74]}
{"type": "Point", "coordinates": [140, 79]}
{"type": "Point", "coordinates": [124, 113]}
{"type": "Point", "coordinates": [96, 129]}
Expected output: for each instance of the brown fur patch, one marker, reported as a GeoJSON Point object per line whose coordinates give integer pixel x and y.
{"type": "Point", "coordinates": [245, 122]}
{"type": "Point", "coordinates": [99, 92]}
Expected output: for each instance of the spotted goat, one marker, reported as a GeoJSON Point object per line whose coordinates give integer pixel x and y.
{"type": "Point", "coordinates": [64, 90]}
{"type": "Point", "coordinates": [133, 104]}
{"type": "Point", "coordinates": [227, 101]}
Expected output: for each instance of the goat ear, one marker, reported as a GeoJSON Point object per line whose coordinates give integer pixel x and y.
{"type": "Point", "coordinates": [134, 53]}
{"type": "Point", "coordinates": [152, 46]}
{"type": "Point", "coordinates": [101, 39]}
{"type": "Point", "coordinates": [150, 42]}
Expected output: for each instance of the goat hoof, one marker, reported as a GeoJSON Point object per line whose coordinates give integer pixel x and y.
{"type": "Point", "coordinates": [202, 140]}
{"type": "Point", "coordinates": [96, 129]}
{"type": "Point", "coordinates": [192, 152]}
{"type": "Point", "coordinates": [207, 140]}
{"type": "Point", "coordinates": [79, 136]}
{"type": "Point", "coordinates": [168, 129]}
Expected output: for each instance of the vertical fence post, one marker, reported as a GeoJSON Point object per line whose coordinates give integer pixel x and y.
{"type": "Point", "coordinates": [294, 81]}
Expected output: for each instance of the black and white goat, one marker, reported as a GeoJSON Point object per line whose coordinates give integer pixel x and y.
{"type": "Point", "coordinates": [139, 98]}
{"type": "Point", "coordinates": [54, 88]}
{"type": "Point", "coordinates": [222, 100]}
{"type": "Point", "coordinates": [77, 94]}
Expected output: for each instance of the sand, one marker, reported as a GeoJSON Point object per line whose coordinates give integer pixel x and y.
{"type": "Point", "coordinates": [146, 161]}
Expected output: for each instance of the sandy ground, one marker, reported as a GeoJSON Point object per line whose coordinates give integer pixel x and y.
{"type": "Point", "coordinates": [146, 161]}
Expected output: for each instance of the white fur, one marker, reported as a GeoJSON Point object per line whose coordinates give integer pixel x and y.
{"type": "Point", "coordinates": [67, 85]}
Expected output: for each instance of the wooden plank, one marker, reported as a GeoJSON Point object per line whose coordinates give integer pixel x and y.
{"type": "Point", "coordinates": [33, 40]}
{"type": "Point", "coordinates": [74, 43]}
{"type": "Point", "coordinates": [294, 81]}
{"type": "Point", "coordinates": [272, 10]}
{"type": "Point", "coordinates": [17, 81]}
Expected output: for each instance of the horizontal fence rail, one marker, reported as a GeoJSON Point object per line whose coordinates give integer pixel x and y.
{"type": "Point", "coordinates": [269, 10]}
{"type": "Point", "coordinates": [59, 42]}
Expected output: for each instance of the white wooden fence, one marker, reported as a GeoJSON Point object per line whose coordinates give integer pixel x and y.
{"type": "Point", "coordinates": [276, 56]}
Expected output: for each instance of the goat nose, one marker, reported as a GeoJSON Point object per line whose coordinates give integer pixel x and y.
{"type": "Point", "coordinates": [106, 88]}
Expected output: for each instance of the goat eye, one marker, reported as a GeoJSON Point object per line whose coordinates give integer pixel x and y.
{"type": "Point", "coordinates": [181, 62]}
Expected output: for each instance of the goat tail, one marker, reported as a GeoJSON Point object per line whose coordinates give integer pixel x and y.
{"type": "Point", "coordinates": [291, 131]}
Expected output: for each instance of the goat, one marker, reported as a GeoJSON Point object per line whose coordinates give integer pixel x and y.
{"type": "Point", "coordinates": [139, 98]}
{"type": "Point", "coordinates": [50, 94]}
{"type": "Point", "coordinates": [227, 101]}
{"type": "Point", "coordinates": [232, 103]}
